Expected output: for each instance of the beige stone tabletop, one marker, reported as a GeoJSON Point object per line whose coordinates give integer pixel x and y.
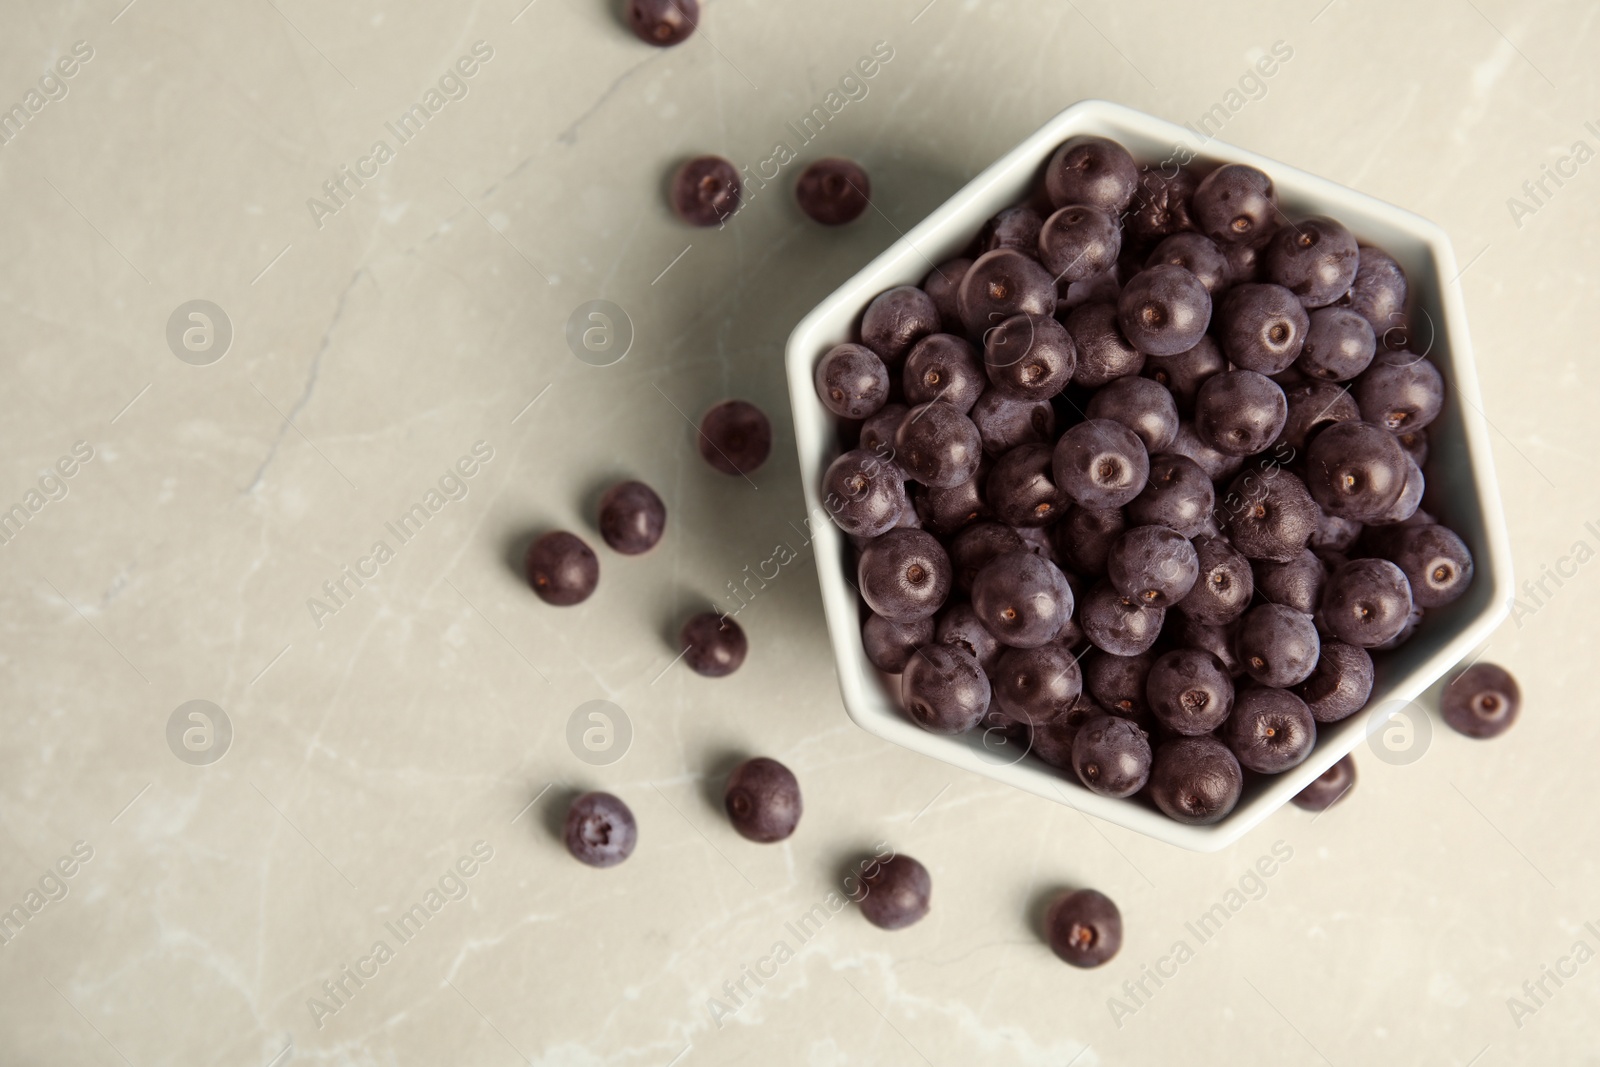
{"type": "Point", "coordinates": [257, 340]}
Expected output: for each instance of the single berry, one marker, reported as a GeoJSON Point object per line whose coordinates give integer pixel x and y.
{"type": "Point", "coordinates": [1101, 464]}
{"type": "Point", "coordinates": [632, 518]}
{"type": "Point", "coordinates": [1112, 756]}
{"type": "Point", "coordinates": [864, 493]}
{"type": "Point", "coordinates": [600, 830]}
{"type": "Point", "coordinates": [1366, 602]}
{"type": "Point", "coordinates": [1195, 780]}
{"type": "Point", "coordinates": [897, 892]}
{"type": "Point", "coordinates": [1022, 598]}
{"type": "Point", "coordinates": [1153, 565]}
{"type": "Point", "coordinates": [562, 569]}
{"type": "Point", "coordinates": [852, 381]}
{"type": "Point", "coordinates": [1015, 227]}
{"type": "Point", "coordinates": [1379, 291]}
{"type": "Point", "coordinates": [960, 626]}
{"type": "Point", "coordinates": [663, 22]}
{"type": "Point", "coordinates": [1328, 788]}
{"type": "Point", "coordinates": [1119, 624]}
{"type": "Point", "coordinates": [1029, 357]}
{"type": "Point", "coordinates": [1315, 259]}
{"type": "Point", "coordinates": [904, 575]}
{"type": "Point", "coordinates": [1037, 685]}
{"type": "Point", "coordinates": [1223, 586]}
{"type": "Point", "coordinates": [1436, 562]}
{"type": "Point", "coordinates": [1240, 412]}
{"type": "Point", "coordinates": [1262, 327]}
{"type": "Point", "coordinates": [1482, 701]}
{"type": "Point", "coordinates": [833, 191]}
{"type": "Point", "coordinates": [944, 689]}
{"type": "Point", "coordinates": [706, 190]}
{"type": "Point", "coordinates": [1235, 204]}
{"type": "Point", "coordinates": [1270, 730]}
{"type": "Point", "coordinates": [1005, 422]}
{"type": "Point", "coordinates": [1161, 205]}
{"type": "Point", "coordinates": [1189, 691]}
{"type": "Point", "coordinates": [1104, 355]}
{"type": "Point", "coordinates": [1084, 928]}
{"type": "Point", "coordinates": [1339, 345]}
{"type": "Point", "coordinates": [1197, 254]}
{"type": "Point", "coordinates": [763, 800]}
{"type": "Point", "coordinates": [1001, 284]}
{"type": "Point", "coordinates": [1341, 683]}
{"type": "Point", "coordinates": [1091, 170]}
{"type": "Point", "coordinates": [942, 284]}
{"type": "Point", "coordinates": [1178, 495]}
{"type": "Point", "coordinates": [714, 645]}
{"type": "Point", "coordinates": [938, 446]}
{"type": "Point", "coordinates": [1295, 583]}
{"type": "Point", "coordinates": [735, 437]}
{"type": "Point", "coordinates": [1400, 391]}
{"type": "Point", "coordinates": [945, 368]}
{"type": "Point", "coordinates": [1164, 310]}
{"type": "Point", "coordinates": [1141, 405]}
{"type": "Point", "coordinates": [1355, 470]}
{"type": "Point", "coordinates": [1079, 242]}
{"type": "Point", "coordinates": [896, 320]}
{"type": "Point", "coordinates": [1269, 515]}
{"type": "Point", "coordinates": [1277, 646]}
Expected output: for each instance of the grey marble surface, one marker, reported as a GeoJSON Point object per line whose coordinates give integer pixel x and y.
{"type": "Point", "coordinates": [416, 728]}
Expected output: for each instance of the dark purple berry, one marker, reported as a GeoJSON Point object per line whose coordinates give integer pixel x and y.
{"type": "Point", "coordinates": [562, 569]}
{"type": "Point", "coordinates": [1164, 310]}
{"type": "Point", "coordinates": [897, 892]}
{"type": "Point", "coordinates": [1315, 259]}
{"type": "Point", "coordinates": [1355, 470]}
{"type": "Point", "coordinates": [1339, 345]}
{"type": "Point", "coordinates": [1245, 263]}
{"type": "Point", "coordinates": [852, 381]}
{"type": "Point", "coordinates": [1153, 565]}
{"type": "Point", "coordinates": [1084, 928]}
{"type": "Point", "coordinates": [833, 191]}
{"type": "Point", "coordinates": [896, 320]}
{"type": "Point", "coordinates": [1004, 422]}
{"type": "Point", "coordinates": [1111, 756]}
{"type": "Point", "coordinates": [1270, 730]}
{"type": "Point", "coordinates": [1118, 684]}
{"type": "Point", "coordinates": [1340, 685]}
{"type": "Point", "coordinates": [1001, 284]}
{"type": "Point", "coordinates": [1091, 170]}
{"type": "Point", "coordinates": [890, 644]}
{"type": "Point", "coordinates": [1020, 489]}
{"type": "Point", "coordinates": [1219, 466]}
{"type": "Point", "coordinates": [1184, 373]}
{"type": "Point", "coordinates": [976, 546]}
{"type": "Point", "coordinates": [1262, 327]}
{"type": "Point", "coordinates": [944, 511]}
{"type": "Point", "coordinates": [1160, 205]}
{"type": "Point", "coordinates": [714, 645]}
{"type": "Point", "coordinates": [600, 830]}
{"type": "Point", "coordinates": [864, 493]}
{"type": "Point", "coordinates": [1198, 255]}
{"type": "Point", "coordinates": [1366, 602]}
{"type": "Point", "coordinates": [1104, 355]}
{"type": "Point", "coordinates": [1401, 391]}
{"type": "Point", "coordinates": [942, 284]}
{"type": "Point", "coordinates": [959, 625]}
{"type": "Point", "coordinates": [1015, 227]}
{"type": "Point", "coordinates": [663, 22]}
{"type": "Point", "coordinates": [1178, 495]}
{"type": "Point", "coordinates": [1482, 701]}
{"type": "Point", "coordinates": [938, 446]}
{"type": "Point", "coordinates": [1101, 464]}
{"type": "Point", "coordinates": [763, 800]}
{"type": "Point", "coordinates": [1379, 291]}
{"type": "Point", "coordinates": [1240, 412]}
{"type": "Point", "coordinates": [632, 518]}
{"type": "Point", "coordinates": [1270, 516]}
{"type": "Point", "coordinates": [1052, 742]}
{"type": "Point", "coordinates": [1189, 691]}
{"type": "Point", "coordinates": [1083, 538]}
{"type": "Point", "coordinates": [1029, 357]}
{"type": "Point", "coordinates": [1141, 405]}
{"type": "Point", "coordinates": [877, 432]}
{"type": "Point", "coordinates": [1217, 640]}
{"type": "Point", "coordinates": [904, 575]}
{"type": "Point", "coordinates": [705, 191]}
{"type": "Point", "coordinates": [1224, 585]}
{"type": "Point", "coordinates": [1328, 788]}
{"type": "Point", "coordinates": [1037, 685]}
{"type": "Point", "coordinates": [1195, 780]}
{"type": "Point", "coordinates": [1312, 407]}
{"type": "Point", "coordinates": [1023, 599]}
{"type": "Point", "coordinates": [944, 689]}
{"type": "Point", "coordinates": [735, 437]}
{"type": "Point", "coordinates": [945, 368]}
{"type": "Point", "coordinates": [1235, 204]}
{"type": "Point", "coordinates": [1410, 499]}
{"type": "Point", "coordinates": [1118, 624]}
{"type": "Point", "coordinates": [1295, 583]}
{"type": "Point", "coordinates": [1278, 646]}
{"type": "Point", "coordinates": [1078, 242]}
{"type": "Point", "coordinates": [1436, 563]}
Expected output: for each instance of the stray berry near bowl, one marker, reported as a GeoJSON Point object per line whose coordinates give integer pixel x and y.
{"type": "Point", "coordinates": [663, 23]}
{"type": "Point", "coordinates": [1482, 701]}
{"type": "Point", "coordinates": [632, 518]}
{"type": "Point", "coordinates": [562, 568]}
{"type": "Point", "coordinates": [763, 800]}
{"type": "Point", "coordinates": [600, 830]}
{"type": "Point", "coordinates": [833, 191]}
{"type": "Point", "coordinates": [705, 191]}
{"type": "Point", "coordinates": [713, 645]}
{"type": "Point", "coordinates": [1084, 928]}
{"type": "Point", "coordinates": [1328, 788]}
{"type": "Point", "coordinates": [735, 437]}
{"type": "Point", "coordinates": [898, 893]}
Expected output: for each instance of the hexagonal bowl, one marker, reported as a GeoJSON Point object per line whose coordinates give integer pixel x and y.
{"type": "Point", "coordinates": [1462, 486]}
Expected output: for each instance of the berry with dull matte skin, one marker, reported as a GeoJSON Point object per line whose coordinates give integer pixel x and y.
{"type": "Point", "coordinates": [1224, 585]}
{"type": "Point", "coordinates": [1029, 357]}
{"type": "Point", "coordinates": [1270, 730]}
{"type": "Point", "coordinates": [1112, 756]}
{"type": "Point", "coordinates": [1295, 583]}
{"type": "Point", "coordinates": [1178, 495]}
{"type": "Point", "coordinates": [1278, 646]}
{"type": "Point", "coordinates": [1217, 640]}
{"type": "Point", "coordinates": [1328, 788]}
{"type": "Point", "coordinates": [1195, 780]}
{"type": "Point", "coordinates": [976, 546]}
{"type": "Point", "coordinates": [1482, 701]}
{"type": "Point", "coordinates": [1104, 355]}
{"type": "Point", "coordinates": [1341, 683]}
{"type": "Point", "coordinates": [1355, 470]}
{"type": "Point", "coordinates": [1015, 227]}
{"type": "Point", "coordinates": [833, 191]}
{"type": "Point", "coordinates": [1022, 598]}
{"type": "Point", "coordinates": [938, 446]}
{"type": "Point", "coordinates": [705, 191]}
{"type": "Point", "coordinates": [1091, 170]}
{"type": "Point", "coordinates": [1079, 242]}
{"type": "Point", "coordinates": [944, 689]}
{"type": "Point", "coordinates": [865, 493]}
{"type": "Point", "coordinates": [945, 368]}
{"type": "Point", "coordinates": [904, 575]}
{"type": "Point", "coordinates": [1118, 624]}
{"type": "Point", "coordinates": [898, 893]}
{"type": "Point", "coordinates": [1270, 517]}
{"type": "Point", "coordinates": [1153, 565]}
{"type": "Point", "coordinates": [1084, 928]}
{"type": "Point", "coordinates": [600, 830]}
{"type": "Point", "coordinates": [944, 511]}
{"type": "Point", "coordinates": [1235, 204]}
{"type": "Point", "coordinates": [1219, 466]}
{"type": "Point", "coordinates": [1333, 534]}
{"type": "Point", "coordinates": [852, 381]}
{"type": "Point", "coordinates": [890, 644]}
{"type": "Point", "coordinates": [1366, 602]}
{"type": "Point", "coordinates": [1244, 263]}
{"type": "Point", "coordinates": [1101, 464]}
{"type": "Point", "coordinates": [1037, 685]}
{"type": "Point", "coordinates": [1160, 205]}
{"type": "Point", "coordinates": [1379, 291]}
{"type": "Point", "coordinates": [1312, 407]}
{"type": "Point", "coordinates": [1020, 488]}
{"type": "Point", "coordinates": [1184, 373]}
{"type": "Point", "coordinates": [735, 437]}
{"type": "Point", "coordinates": [1118, 684]}
{"type": "Point", "coordinates": [959, 625]}
{"type": "Point", "coordinates": [632, 518]}
{"type": "Point", "coordinates": [562, 569]}
{"type": "Point", "coordinates": [1164, 310]}
{"type": "Point", "coordinates": [896, 320]}
{"type": "Point", "coordinates": [714, 645]}
{"type": "Point", "coordinates": [1189, 691]}
{"type": "Point", "coordinates": [1263, 327]}
{"type": "Point", "coordinates": [877, 432]}
{"type": "Point", "coordinates": [1084, 536]}
{"type": "Point", "coordinates": [1401, 391]}
{"type": "Point", "coordinates": [663, 23]}
{"type": "Point", "coordinates": [1240, 412]}
{"type": "Point", "coordinates": [1001, 284]}
{"type": "Point", "coordinates": [762, 799]}
{"type": "Point", "coordinates": [1004, 422]}
{"type": "Point", "coordinates": [1339, 345]}
{"type": "Point", "coordinates": [1315, 259]}
{"type": "Point", "coordinates": [1197, 254]}
{"type": "Point", "coordinates": [942, 284]}
{"type": "Point", "coordinates": [1141, 405]}
{"type": "Point", "coordinates": [1436, 562]}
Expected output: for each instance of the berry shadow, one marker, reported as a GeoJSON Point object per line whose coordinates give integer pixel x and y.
{"type": "Point", "coordinates": [553, 810]}
{"type": "Point", "coordinates": [719, 762]}
{"type": "Point", "coordinates": [514, 550]}
{"type": "Point", "coordinates": [847, 870]}
{"type": "Point", "coordinates": [1038, 908]}
{"type": "Point", "coordinates": [589, 501]}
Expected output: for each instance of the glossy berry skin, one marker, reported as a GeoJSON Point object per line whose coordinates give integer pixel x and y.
{"type": "Point", "coordinates": [899, 891]}
{"type": "Point", "coordinates": [1084, 536]}
{"type": "Point", "coordinates": [938, 446]}
{"type": "Point", "coordinates": [714, 645]}
{"type": "Point", "coordinates": [663, 23]}
{"type": "Point", "coordinates": [1339, 345]}
{"type": "Point", "coordinates": [1101, 464]}
{"type": "Point", "coordinates": [1366, 602]}
{"type": "Point", "coordinates": [1436, 563]}
{"type": "Point", "coordinates": [1189, 691]}
{"type": "Point", "coordinates": [1084, 928]}
{"type": "Point", "coordinates": [1195, 780]}
{"type": "Point", "coordinates": [600, 830]}
{"type": "Point", "coordinates": [904, 575]}
{"type": "Point", "coordinates": [1263, 327]}
{"type": "Point", "coordinates": [1020, 488]}
{"type": "Point", "coordinates": [1141, 405]}
{"type": "Point", "coordinates": [1379, 291]}
{"type": "Point", "coordinates": [1029, 357]}
{"type": "Point", "coordinates": [1400, 392]}
{"type": "Point", "coordinates": [976, 546]}
{"type": "Point", "coordinates": [1177, 495]}
{"type": "Point", "coordinates": [1355, 470]}
{"type": "Point", "coordinates": [1104, 355]}
{"type": "Point", "coordinates": [1315, 259]}
{"type": "Point", "coordinates": [945, 368]}
{"type": "Point", "coordinates": [1328, 788]}
{"type": "Point", "coordinates": [959, 625]}
{"type": "Point", "coordinates": [1197, 254]}
{"type": "Point", "coordinates": [833, 191]}
{"type": "Point", "coordinates": [1001, 284]}
{"type": "Point", "coordinates": [864, 493]}
{"type": "Point", "coordinates": [632, 518]}
{"type": "Point", "coordinates": [1161, 205]}
{"type": "Point", "coordinates": [942, 284]}
{"type": "Point", "coordinates": [1277, 646]}
{"type": "Point", "coordinates": [1164, 310]}
{"type": "Point", "coordinates": [1117, 684]}
{"type": "Point", "coordinates": [1312, 407]}
{"type": "Point", "coordinates": [1269, 517]}
{"type": "Point", "coordinates": [562, 569]}
{"type": "Point", "coordinates": [1223, 586]}
{"type": "Point", "coordinates": [1091, 170]}
{"type": "Point", "coordinates": [852, 381]}
{"type": "Point", "coordinates": [1235, 204]}
{"type": "Point", "coordinates": [1340, 684]}
{"type": "Point", "coordinates": [1295, 583]}
{"type": "Point", "coordinates": [706, 191]}
{"type": "Point", "coordinates": [1405, 505]}
{"type": "Point", "coordinates": [1004, 422]}
{"type": "Point", "coordinates": [1118, 624]}
{"type": "Point", "coordinates": [890, 644]}
{"type": "Point", "coordinates": [1015, 227]}
{"type": "Point", "coordinates": [762, 799]}
{"type": "Point", "coordinates": [1022, 598]}
{"type": "Point", "coordinates": [1079, 242]}
{"type": "Point", "coordinates": [1183, 374]}
{"type": "Point", "coordinates": [1112, 756]}
{"type": "Point", "coordinates": [1153, 565]}
{"type": "Point", "coordinates": [1482, 701]}
{"type": "Point", "coordinates": [1240, 412]}
{"type": "Point", "coordinates": [735, 437]}
{"type": "Point", "coordinates": [1270, 730]}
{"type": "Point", "coordinates": [896, 320]}
{"type": "Point", "coordinates": [1037, 685]}
{"type": "Point", "coordinates": [944, 689]}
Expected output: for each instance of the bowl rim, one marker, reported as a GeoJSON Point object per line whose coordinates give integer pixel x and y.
{"type": "Point", "coordinates": [1492, 559]}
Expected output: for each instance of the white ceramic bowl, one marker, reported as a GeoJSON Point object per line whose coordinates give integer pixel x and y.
{"type": "Point", "coordinates": [1462, 483]}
